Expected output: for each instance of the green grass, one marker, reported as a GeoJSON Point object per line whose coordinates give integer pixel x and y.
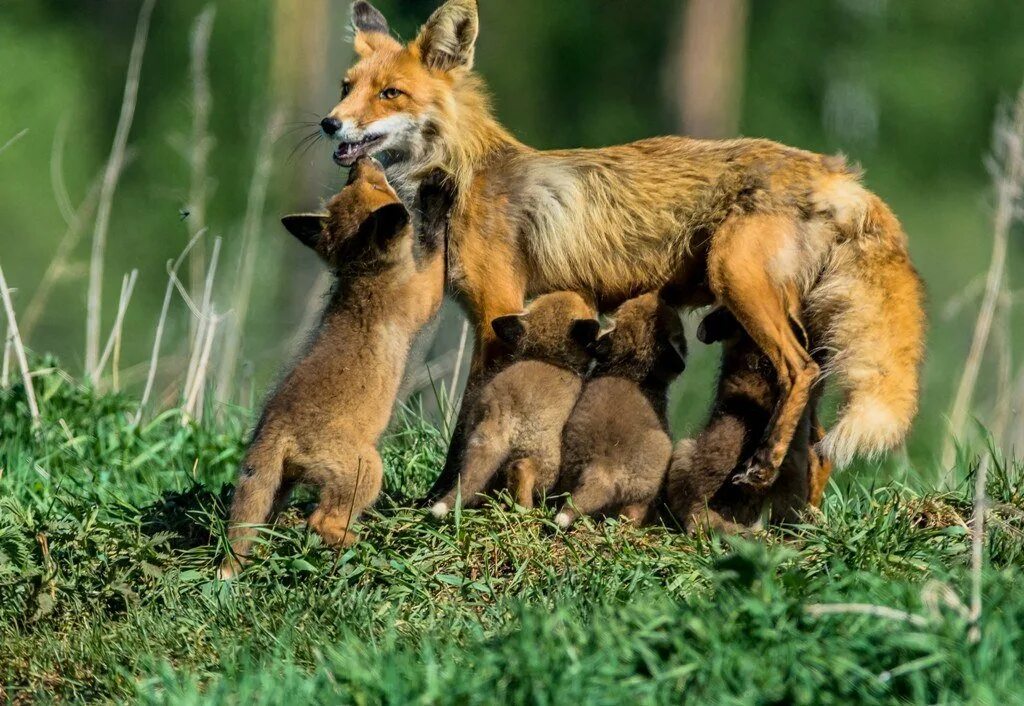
{"type": "Point", "coordinates": [109, 537]}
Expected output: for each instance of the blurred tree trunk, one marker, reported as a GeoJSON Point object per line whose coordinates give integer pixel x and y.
{"type": "Point", "coordinates": [706, 67]}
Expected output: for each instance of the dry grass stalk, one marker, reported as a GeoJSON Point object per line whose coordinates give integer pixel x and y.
{"type": "Point", "coordinates": [819, 609]}
{"type": "Point", "coordinates": [111, 174]}
{"type": "Point", "coordinates": [59, 266]}
{"type": "Point", "coordinates": [127, 287]}
{"type": "Point", "coordinates": [154, 358]}
{"type": "Point", "coordinates": [201, 142]}
{"type": "Point", "coordinates": [195, 377]}
{"type": "Point", "coordinates": [247, 266]}
{"type": "Point", "coordinates": [14, 139]}
{"type": "Point", "coordinates": [978, 547]}
{"type": "Point", "coordinates": [191, 410]}
{"type": "Point", "coordinates": [1009, 180]}
{"type": "Point", "coordinates": [5, 370]}
{"type": "Point", "coordinates": [60, 189]}
{"type": "Point", "coordinates": [19, 348]}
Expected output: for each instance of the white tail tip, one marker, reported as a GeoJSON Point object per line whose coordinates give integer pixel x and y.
{"type": "Point", "coordinates": [439, 510]}
{"type": "Point", "coordinates": [563, 520]}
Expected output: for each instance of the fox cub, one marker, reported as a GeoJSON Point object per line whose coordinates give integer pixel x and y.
{"type": "Point", "coordinates": [699, 491]}
{"type": "Point", "coordinates": [616, 446]}
{"type": "Point", "coordinates": [516, 420]}
{"type": "Point", "coordinates": [322, 423]}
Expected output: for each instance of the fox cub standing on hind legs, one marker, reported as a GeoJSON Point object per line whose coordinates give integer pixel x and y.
{"type": "Point", "coordinates": [516, 420]}
{"type": "Point", "coordinates": [699, 491]}
{"type": "Point", "coordinates": [769, 231]}
{"type": "Point", "coordinates": [322, 423]}
{"type": "Point", "coordinates": [616, 446]}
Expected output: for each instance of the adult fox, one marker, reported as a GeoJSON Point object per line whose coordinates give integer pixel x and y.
{"type": "Point", "coordinates": [777, 235]}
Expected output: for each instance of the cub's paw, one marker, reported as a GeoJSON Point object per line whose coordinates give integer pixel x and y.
{"type": "Point", "coordinates": [756, 476]}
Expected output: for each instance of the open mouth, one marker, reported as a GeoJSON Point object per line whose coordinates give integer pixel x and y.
{"type": "Point", "coordinates": [349, 152]}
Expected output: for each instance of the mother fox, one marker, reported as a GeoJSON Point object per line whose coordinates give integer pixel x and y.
{"type": "Point", "coordinates": [778, 235]}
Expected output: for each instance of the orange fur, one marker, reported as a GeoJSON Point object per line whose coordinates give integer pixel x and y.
{"type": "Point", "coordinates": [774, 233]}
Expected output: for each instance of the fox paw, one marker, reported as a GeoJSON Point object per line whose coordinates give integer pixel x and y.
{"type": "Point", "coordinates": [756, 476]}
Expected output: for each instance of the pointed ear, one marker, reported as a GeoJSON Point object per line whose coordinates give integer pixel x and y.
{"type": "Point", "coordinates": [673, 359]}
{"type": "Point", "coordinates": [307, 227]}
{"type": "Point", "coordinates": [601, 349]}
{"type": "Point", "coordinates": [447, 39]}
{"type": "Point", "coordinates": [384, 224]}
{"type": "Point", "coordinates": [719, 325]}
{"type": "Point", "coordinates": [367, 18]}
{"type": "Point", "coordinates": [509, 329]}
{"type": "Point", "coordinates": [584, 331]}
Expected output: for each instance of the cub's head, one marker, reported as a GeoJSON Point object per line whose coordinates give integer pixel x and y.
{"type": "Point", "coordinates": [557, 328]}
{"type": "Point", "coordinates": [646, 343]}
{"type": "Point", "coordinates": [364, 225]}
{"type": "Point", "coordinates": [397, 95]}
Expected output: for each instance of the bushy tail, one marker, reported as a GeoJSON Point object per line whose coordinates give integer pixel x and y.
{"type": "Point", "coordinates": [868, 307]}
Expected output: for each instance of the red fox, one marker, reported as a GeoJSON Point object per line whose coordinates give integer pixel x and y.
{"type": "Point", "coordinates": [322, 423]}
{"type": "Point", "coordinates": [775, 234]}
{"type": "Point", "coordinates": [616, 444]}
{"type": "Point", "coordinates": [517, 419]}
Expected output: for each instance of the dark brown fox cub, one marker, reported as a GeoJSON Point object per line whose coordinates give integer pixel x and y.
{"type": "Point", "coordinates": [700, 494]}
{"type": "Point", "coordinates": [322, 423]}
{"type": "Point", "coordinates": [517, 418]}
{"type": "Point", "coordinates": [616, 446]}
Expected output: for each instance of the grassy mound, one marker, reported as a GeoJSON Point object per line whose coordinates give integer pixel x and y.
{"type": "Point", "coordinates": [110, 533]}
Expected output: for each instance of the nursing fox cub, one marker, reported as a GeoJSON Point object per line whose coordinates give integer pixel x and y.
{"type": "Point", "coordinates": [700, 488]}
{"type": "Point", "coordinates": [775, 234]}
{"type": "Point", "coordinates": [516, 420]}
{"type": "Point", "coordinates": [322, 423]}
{"type": "Point", "coordinates": [616, 445]}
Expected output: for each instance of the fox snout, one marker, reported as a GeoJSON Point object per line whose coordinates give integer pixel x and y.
{"type": "Point", "coordinates": [330, 126]}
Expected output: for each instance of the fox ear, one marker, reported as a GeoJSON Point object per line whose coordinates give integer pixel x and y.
{"type": "Point", "coordinates": [384, 224]}
{"type": "Point", "coordinates": [447, 39]}
{"type": "Point", "coordinates": [307, 227]}
{"type": "Point", "coordinates": [601, 349]}
{"type": "Point", "coordinates": [719, 325]}
{"type": "Point", "coordinates": [367, 18]}
{"type": "Point", "coordinates": [584, 331]}
{"type": "Point", "coordinates": [509, 329]}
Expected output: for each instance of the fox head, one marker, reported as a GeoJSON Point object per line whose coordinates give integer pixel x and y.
{"type": "Point", "coordinates": [646, 343]}
{"type": "Point", "coordinates": [395, 96]}
{"type": "Point", "coordinates": [557, 328]}
{"type": "Point", "coordinates": [364, 224]}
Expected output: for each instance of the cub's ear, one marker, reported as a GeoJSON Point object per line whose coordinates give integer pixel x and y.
{"type": "Point", "coordinates": [307, 227]}
{"type": "Point", "coordinates": [367, 18]}
{"type": "Point", "coordinates": [601, 349]}
{"type": "Point", "coordinates": [719, 325]}
{"type": "Point", "coordinates": [584, 331]}
{"type": "Point", "coordinates": [672, 360]}
{"type": "Point", "coordinates": [447, 39]}
{"type": "Point", "coordinates": [509, 329]}
{"type": "Point", "coordinates": [384, 224]}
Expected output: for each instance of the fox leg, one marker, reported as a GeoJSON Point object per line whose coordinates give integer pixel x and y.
{"type": "Point", "coordinates": [594, 491]}
{"type": "Point", "coordinates": [820, 467]}
{"type": "Point", "coordinates": [259, 482]}
{"type": "Point", "coordinates": [737, 269]}
{"type": "Point", "coordinates": [346, 489]}
{"type": "Point", "coordinates": [490, 288]}
{"type": "Point", "coordinates": [522, 478]}
{"type": "Point", "coordinates": [486, 450]}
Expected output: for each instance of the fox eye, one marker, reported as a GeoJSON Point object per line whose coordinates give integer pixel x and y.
{"type": "Point", "coordinates": [390, 93]}
{"type": "Point", "coordinates": [346, 88]}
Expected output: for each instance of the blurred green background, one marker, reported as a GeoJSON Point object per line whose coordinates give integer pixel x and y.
{"type": "Point", "coordinates": [908, 89]}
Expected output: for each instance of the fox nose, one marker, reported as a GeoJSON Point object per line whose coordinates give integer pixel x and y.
{"type": "Point", "coordinates": [330, 125]}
